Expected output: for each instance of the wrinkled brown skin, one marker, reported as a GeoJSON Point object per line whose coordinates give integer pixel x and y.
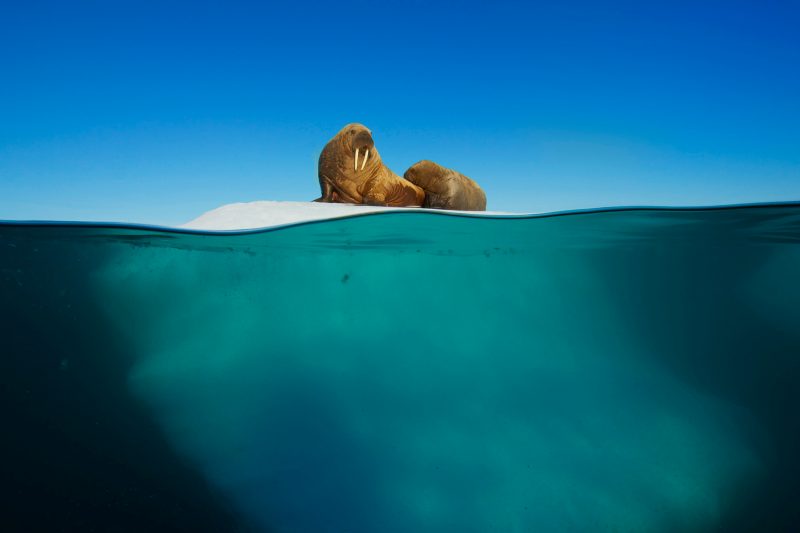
{"type": "Point", "coordinates": [445, 188]}
{"type": "Point", "coordinates": [375, 185]}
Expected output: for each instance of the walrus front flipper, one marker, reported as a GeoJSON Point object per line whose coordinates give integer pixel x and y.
{"type": "Point", "coordinates": [326, 189]}
{"type": "Point", "coordinates": [395, 192]}
{"type": "Point", "coordinates": [445, 188]}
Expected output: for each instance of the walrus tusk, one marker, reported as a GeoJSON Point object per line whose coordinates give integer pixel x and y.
{"type": "Point", "coordinates": [355, 163]}
{"type": "Point", "coordinates": [366, 156]}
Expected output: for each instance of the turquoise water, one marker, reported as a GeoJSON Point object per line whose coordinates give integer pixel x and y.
{"type": "Point", "coordinates": [622, 370]}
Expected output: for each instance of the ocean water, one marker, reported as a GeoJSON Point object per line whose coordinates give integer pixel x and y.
{"type": "Point", "coordinates": [618, 370]}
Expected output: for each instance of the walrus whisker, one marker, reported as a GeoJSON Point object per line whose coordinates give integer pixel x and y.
{"type": "Point", "coordinates": [355, 163]}
{"type": "Point", "coordinates": [366, 156]}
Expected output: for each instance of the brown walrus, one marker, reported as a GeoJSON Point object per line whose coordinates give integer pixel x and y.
{"type": "Point", "coordinates": [445, 188]}
{"type": "Point", "coordinates": [351, 171]}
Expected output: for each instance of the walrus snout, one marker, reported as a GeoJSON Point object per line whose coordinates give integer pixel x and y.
{"type": "Point", "coordinates": [362, 143]}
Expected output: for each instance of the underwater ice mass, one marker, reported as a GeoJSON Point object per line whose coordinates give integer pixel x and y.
{"type": "Point", "coordinates": [628, 370]}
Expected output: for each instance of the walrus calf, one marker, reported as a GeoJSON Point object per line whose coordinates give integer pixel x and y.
{"type": "Point", "coordinates": [445, 188]}
{"type": "Point", "coordinates": [351, 171]}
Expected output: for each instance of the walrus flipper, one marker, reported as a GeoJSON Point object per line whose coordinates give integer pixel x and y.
{"type": "Point", "coordinates": [396, 192]}
{"type": "Point", "coordinates": [332, 193]}
{"type": "Point", "coordinates": [445, 188]}
{"type": "Point", "coordinates": [405, 194]}
{"type": "Point", "coordinates": [326, 189]}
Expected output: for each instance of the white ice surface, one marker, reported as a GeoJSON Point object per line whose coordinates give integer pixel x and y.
{"type": "Point", "coordinates": [269, 213]}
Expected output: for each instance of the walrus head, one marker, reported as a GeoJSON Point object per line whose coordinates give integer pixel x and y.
{"type": "Point", "coordinates": [357, 141]}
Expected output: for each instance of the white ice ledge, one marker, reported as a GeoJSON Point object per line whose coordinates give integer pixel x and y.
{"type": "Point", "coordinates": [264, 214]}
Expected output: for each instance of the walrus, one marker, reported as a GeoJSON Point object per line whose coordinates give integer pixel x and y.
{"type": "Point", "coordinates": [445, 188]}
{"type": "Point", "coordinates": [351, 171]}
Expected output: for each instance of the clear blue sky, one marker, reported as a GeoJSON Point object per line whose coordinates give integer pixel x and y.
{"type": "Point", "coordinates": [158, 111]}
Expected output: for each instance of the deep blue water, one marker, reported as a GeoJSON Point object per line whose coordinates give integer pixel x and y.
{"type": "Point", "coordinates": [620, 370]}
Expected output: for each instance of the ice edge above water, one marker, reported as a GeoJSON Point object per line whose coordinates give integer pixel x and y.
{"type": "Point", "coordinates": [184, 229]}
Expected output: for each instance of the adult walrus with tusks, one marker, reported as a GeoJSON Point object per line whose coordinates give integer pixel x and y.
{"type": "Point", "coordinates": [351, 171]}
{"type": "Point", "coordinates": [445, 188]}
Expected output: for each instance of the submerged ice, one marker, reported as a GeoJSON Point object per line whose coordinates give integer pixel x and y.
{"type": "Point", "coordinates": [412, 373]}
{"type": "Point", "coordinates": [627, 371]}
